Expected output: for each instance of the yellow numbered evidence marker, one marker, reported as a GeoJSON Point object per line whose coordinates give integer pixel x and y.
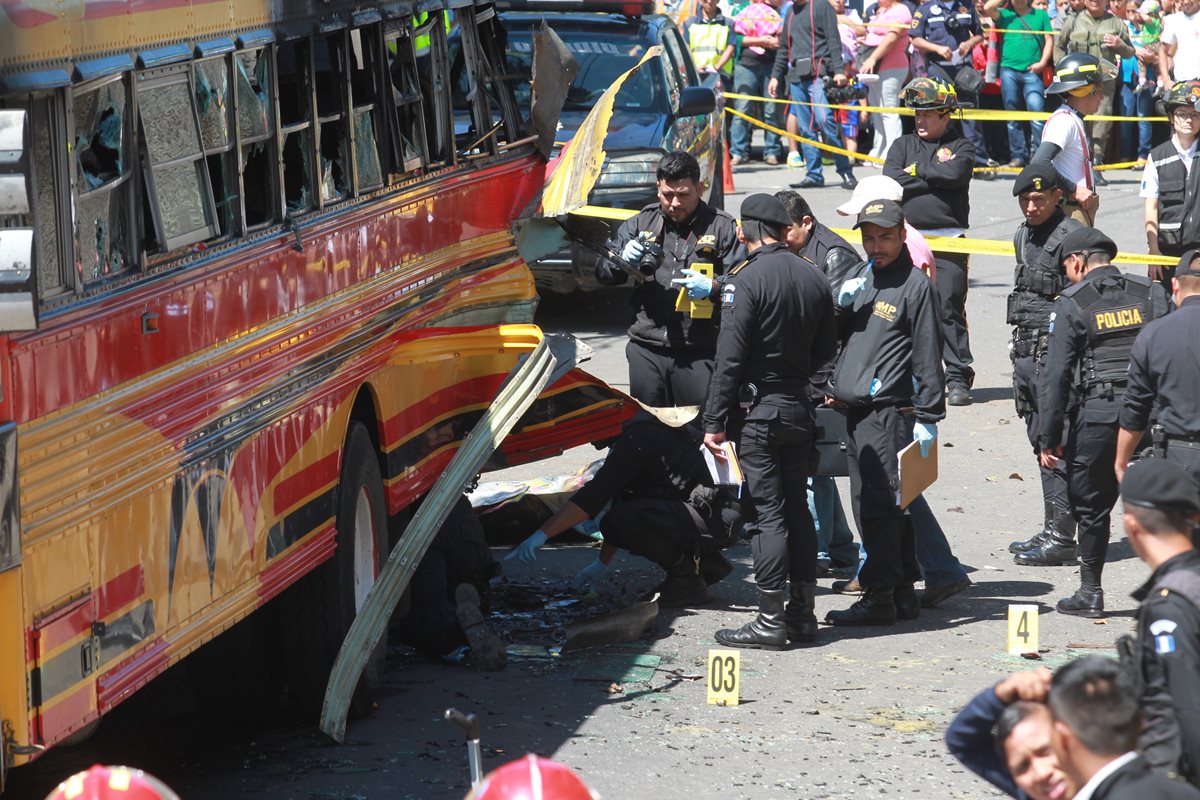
{"type": "Point", "coordinates": [696, 309]}
{"type": "Point", "coordinates": [724, 671]}
{"type": "Point", "coordinates": [1022, 629]}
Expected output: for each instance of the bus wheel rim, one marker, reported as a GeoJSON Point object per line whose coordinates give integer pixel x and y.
{"type": "Point", "coordinates": [364, 548]}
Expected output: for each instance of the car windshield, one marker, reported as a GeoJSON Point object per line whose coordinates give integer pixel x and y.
{"type": "Point", "coordinates": [602, 58]}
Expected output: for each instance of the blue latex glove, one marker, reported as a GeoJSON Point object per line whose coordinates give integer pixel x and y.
{"type": "Point", "coordinates": [923, 434]}
{"type": "Point", "coordinates": [527, 550]}
{"type": "Point", "coordinates": [875, 386]}
{"type": "Point", "coordinates": [850, 290]}
{"type": "Point", "coordinates": [698, 286]}
{"type": "Point", "coordinates": [589, 576]}
{"type": "Point", "coordinates": [633, 251]}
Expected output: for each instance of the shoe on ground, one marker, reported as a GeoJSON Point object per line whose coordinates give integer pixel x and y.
{"type": "Point", "coordinates": [1037, 540]}
{"type": "Point", "coordinates": [958, 395]}
{"type": "Point", "coordinates": [851, 586]}
{"type": "Point", "coordinates": [1084, 603]}
{"type": "Point", "coordinates": [772, 161]}
{"type": "Point", "coordinates": [1100, 179]}
{"type": "Point", "coordinates": [736, 161]}
{"type": "Point", "coordinates": [1139, 164]}
{"type": "Point", "coordinates": [984, 172]}
{"type": "Point", "coordinates": [875, 607]}
{"type": "Point", "coordinates": [809, 183]}
{"type": "Point", "coordinates": [908, 605]}
{"type": "Point", "coordinates": [824, 567]}
{"type": "Point", "coordinates": [487, 648]}
{"type": "Point", "coordinates": [683, 592]}
{"type": "Point", "coordinates": [795, 160]}
{"type": "Point", "coordinates": [936, 594]}
{"type": "Point", "coordinates": [714, 567]}
{"type": "Point", "coordinates": [849, 182]}
{"type": "Point", "coordinates": [1051, 554]}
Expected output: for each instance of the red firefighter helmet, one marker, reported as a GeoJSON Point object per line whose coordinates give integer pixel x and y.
{"type": "Point", "coordinates": [532, 778]}
{"type": "Point", "coordinates": [112, 783]}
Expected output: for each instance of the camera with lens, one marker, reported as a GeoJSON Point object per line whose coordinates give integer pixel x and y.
{"type": "Point", "coordinates": [652, 256]}
{"type": "Point", "coordinates": [845, 95]}
{"type": "Point", "coordinates": [952, 23]}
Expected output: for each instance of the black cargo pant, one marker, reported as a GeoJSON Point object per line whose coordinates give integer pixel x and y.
{"type": "Point", "coordinates": [661, 530]}
{"type": "Point", "coordinates": [664, 377]}
{"type": "Point", "coordinates": [775, 449]}
{"type": "Point", "coordinates": [875, 436]}
{"type": "Point", "coordinates": [1025, 392]}
{"type": "Point", "coordinates": [952, 272]}
{"type": "Point", "coordinates": [1092, 487]}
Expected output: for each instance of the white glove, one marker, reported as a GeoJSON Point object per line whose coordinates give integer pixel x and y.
{"type": "Point", "coordinates": [589, 576]}
{"type": "Point", "coordinates": [527, 550]}
{"type": "Point", "coordinates": [633, 251]}
{"type": "Point", "coordinates": [923, 434]}
{"type": "Point", "coordinates": [850, 290]}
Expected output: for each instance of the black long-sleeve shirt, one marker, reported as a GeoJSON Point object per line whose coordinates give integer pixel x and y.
{"type": "Point", "coordinates": [811, 45]}
{"type": "Point", "coordinates": [776, 330]}
{"type": "Point", "coordinates": [1164, 372]}
{"type": "Point", "coordinates": [936, 177]}
{"type": "Point", "coordinates": [969, 739]}
{"type": "Point", "coordinates": [636, 464]}
{"type": "Point", "coordinates": [893, 332]}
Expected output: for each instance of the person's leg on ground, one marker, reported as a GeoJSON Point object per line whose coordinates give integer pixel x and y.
{"type": "Point", "coordinates": [649, 374]}
{"type": "Point", "coordinates": [745, 81]}
{"type": "Point", "coordinates": [1035, 100]}
{"type": "Point", "coordinates": [773, 115]}
{"type": "Point", "coordinates": [805, 127]}
{"type": "Point", "coordinates": [952, 284]}
{"type": "Point", "coordinates": [690, 377]}
{"type": "Point", "coordinates": [1011, 87]}
{"type": "Point", "coordinates": [663, 532]}
{"type": "Point", "coordinates": [831, 132]}
{"type": "Point", "coordinates": [1092, 488]}
{"type": "Point", "coordinates": [944, 575]}
{"type": "Point", "coordinates": [796, 458]}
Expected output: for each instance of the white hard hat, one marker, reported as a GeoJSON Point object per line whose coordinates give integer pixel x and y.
{"type": "Point", "coordinates": [872, 187]}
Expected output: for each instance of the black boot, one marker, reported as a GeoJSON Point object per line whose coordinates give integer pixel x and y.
{"type": "Point", "coordinates": [714, 567]}
{"type": "Point", "coordinates": [684, 586]}
{"type": "Point", "coordinates": [1060, 550]}
{"type": "Point", "coordinates": [1086, 602]}
{"type": "Point", "coordinates": [768, 631]}
{"type": "Point", "coordinates": [1038, 539]}
{"type": "Point", "coordinates": [800, 614]}
{"type": "Point", "coordinates": [908, 605]}
{"type": "Point", "coordinates": [875, 607]}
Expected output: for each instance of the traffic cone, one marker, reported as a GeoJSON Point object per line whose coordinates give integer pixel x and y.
{"type": "Point", "coordinates": [727, 174]}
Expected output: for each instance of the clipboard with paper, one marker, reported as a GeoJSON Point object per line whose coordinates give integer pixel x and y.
{"type": "Point", "coordinates": [917, 473]}
{"type": "Point", "coordinates": [727, 472]}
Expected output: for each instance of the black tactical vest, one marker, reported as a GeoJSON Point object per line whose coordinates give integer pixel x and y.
{"type": "Point", "coordinates": [1038, 279]}
{"type": "Point", "coordinates": [1178, 201]}
{"type": "Point", "coordinates": [817, 248]}
{"type": "Point", "coordinates": [1114, 310]}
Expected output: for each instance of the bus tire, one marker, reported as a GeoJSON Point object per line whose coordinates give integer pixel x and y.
{"type": "Point", "coordinates": [325, 607]}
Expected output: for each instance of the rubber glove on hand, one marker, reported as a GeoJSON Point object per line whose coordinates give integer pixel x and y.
{"type": "Point", "coordinates": [589, 576]}
{"type": "Point", "coordinates": [698, 286]}
{"type": "Point", "coordinates": [875, 386]}
{"type": "Point", "coordinates": [633, 251]}
{"type": "Point", "coordinates": [527, 550]}
{"type": "Point", "coordinates": [923, 434]}
{"type": "Point", "coordinates": [850, 290]}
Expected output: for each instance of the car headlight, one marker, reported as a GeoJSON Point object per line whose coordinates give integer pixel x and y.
{"type": "Point", "coordinates": [629, 171]}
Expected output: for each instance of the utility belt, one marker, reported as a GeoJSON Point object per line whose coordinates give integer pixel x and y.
{"type": "Point", "coordinates": [1103, 390]}
{"type": "Point", "coordinates": [1039, 281]}
{"type": "Point", "coordinates": [1026, 343]}
{"type": "Point", "coordinates": [1161, 440]}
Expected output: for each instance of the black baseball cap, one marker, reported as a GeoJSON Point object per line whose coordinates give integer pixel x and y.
{"type": "Point", "coordinates": [884, 213]}
{"type": "Point", "coordinates": [1088, 240]}
{"type": "Point", "coordinates": [1185, 269]}
{"type": "Point", "coordinates": [1158, 483]}
{"type": "Point", "coordinates": [1037, 177]}
{"type": "Point", "coordinates": [765, 208]}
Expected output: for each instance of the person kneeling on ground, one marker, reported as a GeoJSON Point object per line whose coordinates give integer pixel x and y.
{"type": "Point", "coordinates": [664, 508]}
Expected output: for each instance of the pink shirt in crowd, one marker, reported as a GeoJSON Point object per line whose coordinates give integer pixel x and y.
{"type": "Point", "coordinates": [918, 250]}
{"type": "Point", "coordinates": [897, 55]}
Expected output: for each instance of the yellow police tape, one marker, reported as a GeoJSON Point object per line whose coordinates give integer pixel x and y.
{"type": "Point", "coordinates": [939, 244]}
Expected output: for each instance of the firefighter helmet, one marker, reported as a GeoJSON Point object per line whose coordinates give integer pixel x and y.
{"type": "Point", "coordinates": [532, 778]}
{"type": "Point", "coordinates": [112, 783]}
{"type": "Point", "coordinates": [929, 93]}
{"type": "Point", "coordinates": [1183, 93]}
{"type": "Point", "coordinates": [1077, 71]}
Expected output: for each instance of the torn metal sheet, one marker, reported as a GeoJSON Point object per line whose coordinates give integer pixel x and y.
{"type": "Point", "coordinates": [554, 68]}
{"type": "Point", "coordinates": [626, 625]}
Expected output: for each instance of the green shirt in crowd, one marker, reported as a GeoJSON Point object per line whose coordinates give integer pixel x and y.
{"type": "Point", "coordinates": [1022, 50]}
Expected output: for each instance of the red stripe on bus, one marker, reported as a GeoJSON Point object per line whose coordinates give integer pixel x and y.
{"type": "Point", "coordinates": [121, 591]}
{"type": "Point", "coordinates": [100, 9]}
{"type": "Point", "coordinates": [131, 674]}
{"type": "Point", "coordinates": [316, 476]}
{"type": "Point", "coordinates": [25, 17]}
{"type": "Point", "coordinates": [73, 711]}
{"type": "Point", "coordinates": [299, 561]}
{"type": "Point", "coordinates": [77, 618]}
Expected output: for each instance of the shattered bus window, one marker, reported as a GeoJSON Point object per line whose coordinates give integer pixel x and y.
{"type": "Point", "coordinates": [100, 236]}
{"type": "Point", "coordinates": [295, 99]}
{"type": "Point", "coordinates": [45, 176]}
{"type": "Point", "coordinates": [329, 71]}
{"type": "Point", "coordinates": [370, 175]}
{"type": "Point", "coordinates": [297, 186]}
{"type": "Point", "coordinates": [167, 119]}
{"type": "Point", "coordinates": [253, 94]}
{"type": "Point", "coordinates": [212, 101]}
{"type": "Point", "coordinates": [258, 179]}
{"type": "Point", "coordinates": [335, 178]}
{"type": "Point", "coordinates": [100, 136]}
{"type": "Point", "coordinates": [409, 145]}
{"type": "Point", "coordinates": [180, 198]}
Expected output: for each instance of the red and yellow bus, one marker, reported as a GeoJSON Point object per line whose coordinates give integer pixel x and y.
{"type": "Point", "coordinates": [255, 287]}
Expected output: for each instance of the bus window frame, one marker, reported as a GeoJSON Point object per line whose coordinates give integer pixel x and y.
{"type": "Point", "coordinates": [229, 154]}
{"type": "Point", "coordinates": [283, 129]}
{"type": "Point", "coordinates": [446, 152]}
{"type": "Point", "coordinates": [370, 49]}
{"type": "Point", "coordinates": [270, 139]}
{"type": "Point", "coordinates": [338, 49]}
{"type": "Point", "coordinates": [48, 122]}
{"type": "Point", "coordinates": [498, 82]}
{"type": "Point", "coordinates": [126, 182]}
{"type": "Point", "coordinates": [400, 103]}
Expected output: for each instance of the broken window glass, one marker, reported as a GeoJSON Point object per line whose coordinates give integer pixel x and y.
{"type": "Point", "coordinates": [258, 180]}
{"type": "Point", "coordinates": [297, 171]}
{"type": "Point", "coordinates": [330, 75]}
{"type": "Point", "coordinates": [180, 201]}
{"type": "Point", "coordinates": [335, 176]}
{"type": "Point", "coordinates": [168, 122]}
{"type": "Point", "coordinates": [99, 136]}
{"type": "Point", "coordinates": [370, 175]}
{"type": "Point", "coordinates": [212, 101]}
{"type": "Point", "coordinates": [295, 99]}
{"type": "Point", "coordinates": [253, 94]}
{"type": "Point", "coordinates": [100, 235]}
{"type": "Point", "coordinates": [408, 147]}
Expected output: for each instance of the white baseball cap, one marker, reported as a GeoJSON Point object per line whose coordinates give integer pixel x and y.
{"type": "Point", "coordinates": [872, 187]}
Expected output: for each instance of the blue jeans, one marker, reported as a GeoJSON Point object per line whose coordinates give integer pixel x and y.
{"type": "Point", "coordinates": [939, 565]}
{"type": "Point", "coordinates": [1134, 104]}
{"type": "Point", "coordinates": [815, 122]}
{"type": "Point", "coordinates": [834, 538]}
{"type": "Point", "coordinates": [754, 80]}
{"type": "Point", "coordinates": [1022, 88]}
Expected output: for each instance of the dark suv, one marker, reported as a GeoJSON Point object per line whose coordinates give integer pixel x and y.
{"type": "Point", "coordinates": [664, 106]}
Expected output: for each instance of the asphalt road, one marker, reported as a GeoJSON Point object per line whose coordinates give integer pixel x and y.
{"type": "Point", "coordinates": [861, 714]}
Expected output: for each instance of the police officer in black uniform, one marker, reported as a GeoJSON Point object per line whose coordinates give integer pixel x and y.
{"type": "Point", "coordinates": [1164, 377]}
{"type": "Point", "coordinates": [889, 377]}
{"type": "Point", "coordinates": [1038, 279]}
{"type": "Point", "coordinates": [812, 240]}
{"type": "Point", "coordinates": [664, 507]}
{"type": "Point", "coordinates": [776, 330]}
{"type": "Point", "coordinates": [670, 352]}
{"type": "Point", "coordinates": [1092, 329]}
{"type": "Point", "coordinates": [1162, 506]}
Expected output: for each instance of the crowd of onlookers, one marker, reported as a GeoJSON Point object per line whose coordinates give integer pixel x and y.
{"type": "Point", "coordinates": [999, 54]}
